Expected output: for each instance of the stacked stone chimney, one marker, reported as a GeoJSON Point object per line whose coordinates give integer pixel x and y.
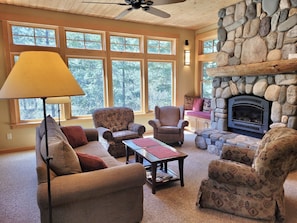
{"type": "Point", "coordinates": [255, 31]}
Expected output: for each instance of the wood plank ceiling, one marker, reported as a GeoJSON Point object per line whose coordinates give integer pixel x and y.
{"type": "Point", "coordinates": [191, 14]}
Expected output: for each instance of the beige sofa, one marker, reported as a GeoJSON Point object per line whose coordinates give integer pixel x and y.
{"type": "Point", "coordinates": [113, 194]}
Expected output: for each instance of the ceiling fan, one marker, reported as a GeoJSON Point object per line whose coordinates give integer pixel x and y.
{"type": "Point", "coordinates": [145, 5]}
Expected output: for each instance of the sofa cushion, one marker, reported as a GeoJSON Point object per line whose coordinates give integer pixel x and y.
{"type": "Point", "coordinates": [90, 163]}
{"type": "Point", "coordinates": [197, 104]}
{"type": "Point", "coordinates": [64, 159]}
{"type": "Point", "coordinates": [75, 135]}
{"type": "Point", "coordinates": [53, 129]}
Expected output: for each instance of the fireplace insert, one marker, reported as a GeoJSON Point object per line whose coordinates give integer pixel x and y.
{"type": "Point", "coordinates": [249, 115]}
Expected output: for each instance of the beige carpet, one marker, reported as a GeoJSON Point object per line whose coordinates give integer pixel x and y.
{"type": "Point", "coordinates": [172, 204]}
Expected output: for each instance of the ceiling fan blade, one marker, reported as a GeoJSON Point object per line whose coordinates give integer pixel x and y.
{"type": "Point", "coordinates": [156, 12]}
{"type": "Point", "coordinates": [109, 3]}
{"type": "Point", "coordinates": [123, 13]}
{"type": "Point", "coordinates": [166, 2]}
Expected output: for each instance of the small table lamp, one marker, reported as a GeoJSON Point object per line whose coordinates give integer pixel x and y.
{"type": "Point", "coordinates": [40, 74]}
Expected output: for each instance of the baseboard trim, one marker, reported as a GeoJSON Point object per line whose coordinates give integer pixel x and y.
{"type": "Point", "coordinates": [14, 150]}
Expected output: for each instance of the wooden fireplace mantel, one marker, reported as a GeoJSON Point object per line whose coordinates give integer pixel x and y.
{"type": "Point", "coordinates": [255, 69]}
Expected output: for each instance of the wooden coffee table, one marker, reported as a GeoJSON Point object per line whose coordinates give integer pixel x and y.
{"type": "Point", "coordinates": [156, 153]}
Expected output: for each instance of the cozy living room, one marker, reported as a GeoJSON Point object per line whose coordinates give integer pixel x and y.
{"type": "Point", "coordinates": [148, 111]}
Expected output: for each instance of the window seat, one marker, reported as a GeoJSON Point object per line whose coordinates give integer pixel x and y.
{"type": "Point", "coordinates": [197, 112]}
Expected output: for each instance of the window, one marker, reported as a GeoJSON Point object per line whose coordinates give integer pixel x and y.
{"type": "Point", "coordinates": [207, 80]}
{"type": "Point", "coordinates": [110, 75]}
{"type": "Point", "coordinates": [32, 36]}
{"type": "Point", "coordinates": [126, 81]}
{"type": "Point", "coordinates": [124, 44]}
{"type": "Point", "coordinates": [207, 52]}
{"type": "Point", "coordinates": [89, 73]}
{"type": "Point", "coordinates": [210, 46]}
{"type": "Point", "coordinates": [160, 84]}
{"type": "Point", "coordinates": [79, 40]}
{"type": "Point", "coordinates": [159, 47]}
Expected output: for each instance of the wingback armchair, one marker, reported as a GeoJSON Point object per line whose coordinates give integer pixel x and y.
{"type": "Point", "coordinates": [169, 124]}
{"type": "Point", "coordinates": [114, 125]}
{"type": "Point", "coordinates": [249, 183]}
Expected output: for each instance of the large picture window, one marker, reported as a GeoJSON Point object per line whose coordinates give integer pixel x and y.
{"type": "Point", "coordinates": [160, 84]}
{"type": "Point", "coordinates": [89, 73]}
{"type": "Point", "coordinates": [126, 82]}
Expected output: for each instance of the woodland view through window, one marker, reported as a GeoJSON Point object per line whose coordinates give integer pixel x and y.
{"type": "Point", "coordinates": [127, 80]}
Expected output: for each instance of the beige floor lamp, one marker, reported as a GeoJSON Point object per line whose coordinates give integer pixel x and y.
{"type": "Point", "coordinates": [40, 74]}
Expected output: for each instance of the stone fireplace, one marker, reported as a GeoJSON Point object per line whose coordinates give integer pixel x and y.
{"type": "Point", "coordinates": [256, 41]}
{"type": "Point", "coordinates": [257, 57]}
{"type": "Point", "coordinates": [249, 115]}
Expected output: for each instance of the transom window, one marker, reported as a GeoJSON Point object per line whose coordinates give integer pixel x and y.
{"type": "Point", "coordinates": [125, 44]}
{"type": "Point", "coordinates": [155, 46]}
{"type": "Point", "coordinates": [33, 36]}
{"type": "Point", "coordinates": [210, 46]}
{"type": "Point", "coordinates": [79, 40]}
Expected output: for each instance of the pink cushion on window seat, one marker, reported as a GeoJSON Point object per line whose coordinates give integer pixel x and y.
{"type": "Point", "coordinates": [199, 114]}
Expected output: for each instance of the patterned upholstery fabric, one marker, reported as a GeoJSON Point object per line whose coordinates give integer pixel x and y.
{"type": "Point", "coordinates": [169, 124]}
{"type": "Point", "coordinates": [250, 183]}
{"type": "Point", "coordinates": [115, 124]}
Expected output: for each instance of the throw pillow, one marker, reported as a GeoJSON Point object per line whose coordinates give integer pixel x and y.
{"type": "Point", "coordinates": [64, 159]}
{"type": "Point", "coordinates": [188, 102]}
{"type": "Point", "coordinates": [75, 135]}
{"type": "Point", "coordinates": [197, 104]}
{"type": "Point", "coordinates": [207, 105]}
{"type": "Point", "coordinates": [53, 129]}
{"type": "Point", "coordinates": [90, 163]}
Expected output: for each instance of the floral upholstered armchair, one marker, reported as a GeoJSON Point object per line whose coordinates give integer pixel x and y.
{"type": "Point", "coordinates": [169, 124]}
{"type": "Point", "coordinates": [250, 183]}
{"type": "Point", "coordinates": [114, 125]}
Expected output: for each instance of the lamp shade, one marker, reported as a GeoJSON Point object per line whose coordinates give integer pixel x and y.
{"type": "Point", "coordinates": [58, 100]}
{"type": "Point", "coordinates": [40, 74]}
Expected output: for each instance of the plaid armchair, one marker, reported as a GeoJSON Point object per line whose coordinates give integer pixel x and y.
{"type": "Point", "coordinates": [114, 125]}
{"type": "Point", "coordinates": [250, 183]}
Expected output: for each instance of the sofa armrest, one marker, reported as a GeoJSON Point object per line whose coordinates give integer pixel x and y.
{"type": "Point", "coordinates": [90, 185]}
{"type": "Point", "coordinates": [182, 123]}
{"type": "Point", "coordinates": [155, 123]}
{"type": "Point", "coordinates": [238, 154]}
{"type": "Point", "coordinates": [105, 133]}
{"type": "Point", "coordinates": [91, 133]}
{"type": "Point", "coordinates": [234, 173]}
{"type": "Point", "coordinates": [140, 129]}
